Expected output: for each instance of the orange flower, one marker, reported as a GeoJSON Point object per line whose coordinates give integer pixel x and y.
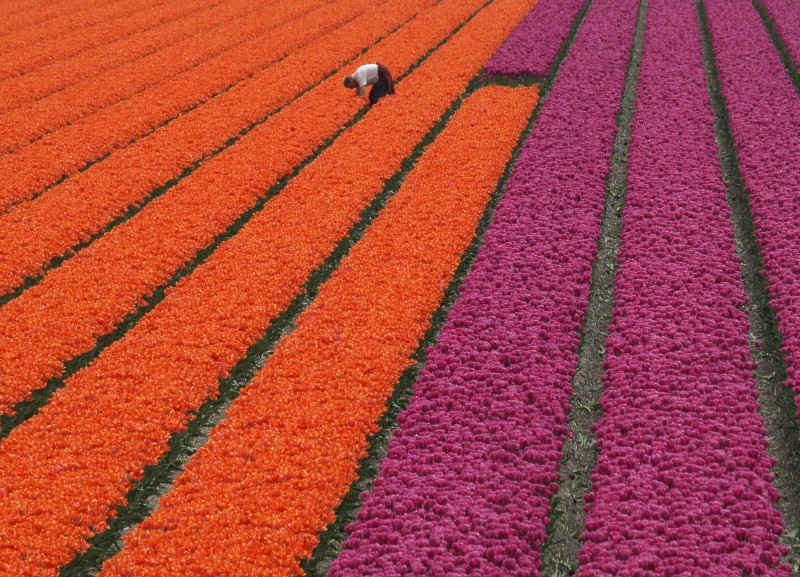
{"type": "Point", "coordinates": [327, 383]}
{"type": "Point", "coordinates": [114, 121]}
{"type": "Point", "coordinates": [115, 417]}
{"type": "Point", "coordinates": [40, 35]}
{"type": "Point", "coordinates": [127, 39]}
{"type": "Point", "coordinates": [23, 125]}
{"type": "Point", "coordinates": [41, 328]}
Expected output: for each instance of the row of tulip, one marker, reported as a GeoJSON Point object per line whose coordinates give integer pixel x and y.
{"type": "Point", "coordinates": [22, 14]}
{"type": "Point", "coordinates": [148, 33]}
{"type": "Point", "coordinates": [36, 232]}
{"type": "Point", "coordinates": [466, 485]}
{"type": "Point", "coordinates": [16, 7]}
{"type": "Point", "coordinates": [532, 48]}
{"type": "Point", "coordinates": [67, 468]}
{"type": "Point", "coordinates": [35, 167]}
{"type": "Point", "coordinates": [71, 31]}
{"type": "Point", "coordinates": [786, 17]}
{"type": "Point", "coordinates": [250, 494]}
{"type": "Point", "coordinates": [145, 252]}
{"type": "Point", "coordinates": [767, 145]}
{"type": "Point", "coordinates": [682, 484]}
{"type": "Point", "coordinates": [33, 121]}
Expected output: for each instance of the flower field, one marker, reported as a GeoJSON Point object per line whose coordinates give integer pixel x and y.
{"type": "Point", "coordinates": [534, 314]}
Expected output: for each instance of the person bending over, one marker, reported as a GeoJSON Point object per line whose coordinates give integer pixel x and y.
{"type": "Point", "coordinates": [375, 75]}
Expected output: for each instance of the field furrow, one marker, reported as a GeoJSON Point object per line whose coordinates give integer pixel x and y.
{"type": "Point", "coordinates": [682, 483]}
{"type": "Point", "coordinates": [786, 16]}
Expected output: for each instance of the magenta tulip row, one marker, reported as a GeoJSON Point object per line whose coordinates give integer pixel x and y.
{"type": "Point", "coordinates": [533, 46]}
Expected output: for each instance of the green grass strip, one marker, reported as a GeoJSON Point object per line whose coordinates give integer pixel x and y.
{"type": "Point", "coordinates": [560, 551]}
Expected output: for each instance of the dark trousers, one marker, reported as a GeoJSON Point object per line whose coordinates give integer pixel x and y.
{"type": "Point", "coordinates": [378, 90]}
{"type": "Point", "coordinates": [384, 85]}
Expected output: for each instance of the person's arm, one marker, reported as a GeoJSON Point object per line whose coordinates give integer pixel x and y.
{"type": "Point", "coordinates": [361, 80]}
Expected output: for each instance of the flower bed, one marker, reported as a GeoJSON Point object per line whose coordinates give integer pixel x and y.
{"type": "Point", "coordinates": [682, 483]}
{"type": "Point", "coordinates": [156, 29]}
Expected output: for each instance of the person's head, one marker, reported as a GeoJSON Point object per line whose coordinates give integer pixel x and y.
{"type": "Point", "coordinates": [349, 82]}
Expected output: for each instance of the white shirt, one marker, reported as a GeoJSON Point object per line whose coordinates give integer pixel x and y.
{"type": "Point", "coordinates": [366, 74]}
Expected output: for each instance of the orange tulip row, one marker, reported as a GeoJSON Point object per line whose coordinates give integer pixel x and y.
{"type": "Point", "coordinates": [268, 20]}
{"type": "Point", "coordinates": [184, 98]}
{"type": "Point", "coordinates": [145, 252]}
{"type": "Point", "coordinates": [31, 25]}
{"type": "Point", "coordinates": [19, 18]}
{"type": "Point", "coordinates": [69, 34]}
{"type": "Point", "coordinates": [16, 7]}
{"type": "Point", "coordinates": [256, 496]}
{"type": "Point", "coordinates": [68, 467]}
{"type": "Point", "coordinates": [35, 232]}
{"type": "Point", "coordinates": [36, 9]}
{"type": "Point", "coordinates": [41, 329]}
{"type": "Point", "coordinates": [150, 32]}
